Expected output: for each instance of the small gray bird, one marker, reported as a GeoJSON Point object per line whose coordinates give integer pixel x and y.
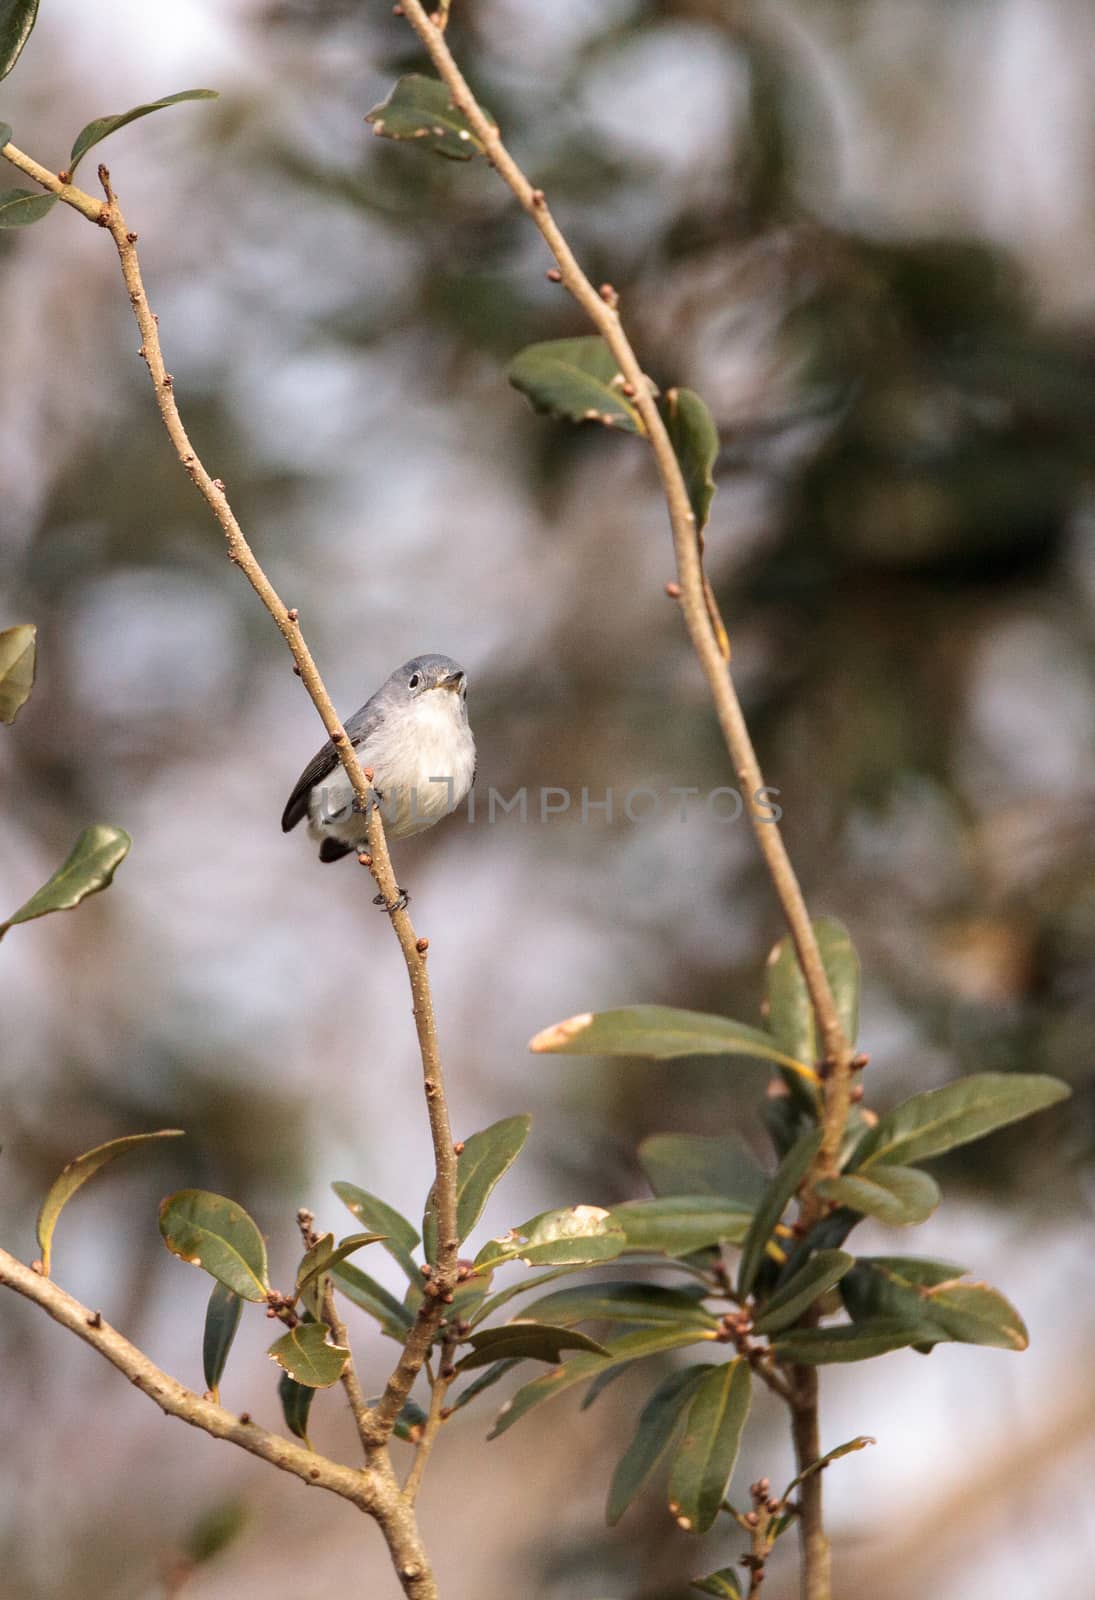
{"type": "Point", "coordinates": [414, 734]}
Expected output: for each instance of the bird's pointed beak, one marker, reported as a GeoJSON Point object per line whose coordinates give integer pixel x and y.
{"type": "Point", "coordinates": [452, 680]}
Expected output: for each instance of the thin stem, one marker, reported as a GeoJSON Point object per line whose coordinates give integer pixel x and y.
{"type": "Point", "coordinates": [816, 1563]}
{"type": "Point", "coordinates": [430, 1429]}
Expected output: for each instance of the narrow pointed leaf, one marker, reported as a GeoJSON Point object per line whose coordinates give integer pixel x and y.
{"type": "Point", "coordinates": [792, 1169]}
{"type": "Point", "coordinates": [421, 108]}
{"type": "Point", "coordinates": [485, 1158]}
{"type": "Point", "coordinates": [790, 1014]}
{"type": "Point", "coordinates": [485, 1380]}
{"type": "Point", "coordinates": [90, 867]}
{"type": "Point", "coordinates": [576, 1234]}
{"type": "Point", "coordinates": [931, 1123]}
{"type": "Point", "coordinates": [677, 1225]}
{"type": "Point", "coordinates": [629, 1347]}
{"type": "Point", "coordinates": [695, 441]}
{"type": "Point", "coordinates": [17, 18]}
{"type": "Point", "coordinates": [524, 1341]}
{"type": "Point", "coordinates": [296, 1402]}
{"type": "Point", "coordinates": [17, 662]}
{"type": "Point", "coordinates": [857, 1341]}
{"type": "Point", "coordinates": [76, 1174]}
{"type": "Point", "coordinates": [576, 379]}
{"type": "Point", "coordinates": [723, 1583]}
{"type": "Point", "coordinates": [320, 1259]}
{"type": "Point", "coordinates": [943, 1310]}
{"type": "Point", "coordinates": [799, 1292]}
{"type": "Point", "coordinates": [523, 1286]}
{"type": "Point", "coordinates": [644, 1303]}
{"type": "Point", "coordinates": [307, 1356]}
{"type": "Point", "coordinates": [398, 1236]}
{"type": "Point", "coordinates": [102, 127]}
{"type": "Point", "coordinates": [658, 1423]}
{"type": "Point", "coordinates": [222, 1318]}
{"type": "Point", "coordinates": [20, 207]}
{"type": "Point", "coordinates": [898, 1195]}
{"type": "Point", "coordinates": [394, 1318]}
{"type": "Point", "coordinates": [217, 1235]}
{"type": "Point", "coordinates": [860, 1442]}
{"type": "Point", "coordinates": [706, 1454]}
{"type": "Point", "coordinates": [662, 1033]}
{"type": "Point", "coordinates": [691, 1163]}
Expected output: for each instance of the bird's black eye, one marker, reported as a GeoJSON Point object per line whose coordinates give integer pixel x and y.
{"type": "Point", "coordinates": [413, 682]}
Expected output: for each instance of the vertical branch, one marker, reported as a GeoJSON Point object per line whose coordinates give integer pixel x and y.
{"type": "Point", "coordinates": [816, 1563]}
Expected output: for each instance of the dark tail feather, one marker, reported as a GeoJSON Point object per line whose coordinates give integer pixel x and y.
{"type": "Point", "coordinates": [334, 850]}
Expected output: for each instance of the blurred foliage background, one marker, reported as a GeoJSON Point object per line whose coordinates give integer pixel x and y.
{"type": "Point", "coordinates": [864, 230]}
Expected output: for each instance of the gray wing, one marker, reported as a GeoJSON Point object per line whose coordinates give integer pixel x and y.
{"type": "Point", "coordinates": [359, 727]}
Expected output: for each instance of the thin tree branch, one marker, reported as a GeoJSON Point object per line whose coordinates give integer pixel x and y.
{"type": "Point", "coordinates": [373, 1489]}
{"type": "Point", "coordinates": [430, 1429]}
{"type": "Point", "coordinates": [816, 1561]}
{"type": "Point", "coordinates": [86, 204]}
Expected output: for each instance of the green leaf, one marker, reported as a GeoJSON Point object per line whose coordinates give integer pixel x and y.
{"type": "Point", "coordinates": [572, 1236]}
{"type": "Point", "coordinates": [695, 441]}
{"type": "Point", "coordinates": [523, 1286]}
{"type": "Point", "coordinates": [102, 127]}
{"type": "Point", "coordinates": [215, 1530]}
{"type": "Point", "coordinates": [296, 1402]}
{"type": "Point", "coordinates": [644, 1303]}
{"type": "Point", "coordinates": [790, 1014]}
{"type": "Point", "coordinates": [578, 380]}
{"type": "Point", "coordinates": [800, 1291]}
{"type": "Point", "coordinates": [17, 18]}
{"type": "Point", "coordinates": [790, 1173]}
{"type": "Point", "coordinates": [394, 1318]}
{"type": "Point", "coordinates": [723, 1582]}
{"type": "Point", "coordinates": [20, 207]}
{"type": "Point", "coordinates": [676, 1225]}
{"type": "Point", "coordinates": [397, 1235]}
{"type": "Point", "coordinates": [706, 1455]}
{"type": "Point", "coordinates": [76, 1174]}
{"type": "Point", "coordinates": [691, 1163]}
{"type": "Point", "coordinates": [860, 1442]}
{"type": "Point", "coordinates": [524, 1341]}
{"type": "Point", "coordinates": [485, 1380]}
{"type": "Point", "coordinates": [409, 1423]}
{"type": "Point", "coordinates": [421, 108]}
{"type": "Point", "coordinates": [5, 130]}
{"type": "Point", "coordinates": [217, 1235]}
{"type": "Point", "coordinates": [658, 1422]}
{"type": "Point", "coordinates": [899, 1195]}
{"type": "Point", "coordinates": [925, 1271]}
{"type": "Point", "coordinates": [17, 661]}
{"type": "Point", "coordinates": [662, 1033]}
{"type": "Point", "coordinates": [629, 1347]}
{"type": "Point", "coordinates": [956, 1114]}
{"type": "Point", "coordinates": [94, 859]}
{"type": "Point", "coordinates": [941, 1310]}
{"type": "Point", "coordinates": [308, 1357]}
{"type": "Point", "coordinates": [485, 1158]}
{"type": "Point", "coordinates": [222, 1318]}
{"type": "Point", "coordinates": [857, 1341]}
{"type": "Point", "coordinates": [319, 1260]}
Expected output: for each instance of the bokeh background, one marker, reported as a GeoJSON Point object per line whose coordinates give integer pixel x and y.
{"type": "Point", "coordinates": [865, 231]}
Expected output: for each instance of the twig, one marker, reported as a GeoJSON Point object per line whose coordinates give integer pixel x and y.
{"type": "Point", "coordinates": [816, 1562]}
{"type": "Point", "coordinates": [430, 1429]}
{"type": "Point", "coordinates": [372, 1489]}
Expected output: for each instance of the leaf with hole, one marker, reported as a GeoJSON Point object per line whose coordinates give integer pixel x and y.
{"type": "Point", "coordinates": [578, 380]}
{"type": "Point", "coordinates": [17, 19]}
{"type": "Point", "coordinates": [17, 662]}
{"type": "Point", "coordinates": [421, 108]}
{"type": "Point", "coordinates": [642, 1303]}
{"type": "Point", "coordinates": [217, 1235]}
{"type": "Point", "coordinates": [800, 1292]}
{"type": "Point", "coordinates": [76, 1174]}
{"type": "Point", "coordinates": [658, 1423]}
{"type": "Point", "coordinates": [485, 1158]}
{"type": "Point", "coordinates": [222, 1318]}
{"type": "Point", "coordinates": [897, 1195]}
{"type": "Point", "coordinates": [89, 868]}
{"type": "Point", "coordinates": [695, 442]}
{"type": "Point", "coordinates": [790, 1173]}
{"type": "Point", "coordinates": [705, 1457]}
{"type": "Point", "coordinates": [959, 1112]}
{"type": "Point", "coordinates": [308, 1356]}
{"type": "Point", "coordinates": [677, 1225]}
{"type": "Point", "coordinates": [693, 1163]}
{"type": "Point", "coordinates": [397, 1235]}
{"type": "Point", "coordinates": [627, 1348]}
{"type": "Point", "coordinates": [572, 1236]}
{"type": "Point", "coordinates": [103, 127]}
{"type": "Point", "coordinates": [661, 1033]}
{"type": "Point", "coordinates": [524, 1341]}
